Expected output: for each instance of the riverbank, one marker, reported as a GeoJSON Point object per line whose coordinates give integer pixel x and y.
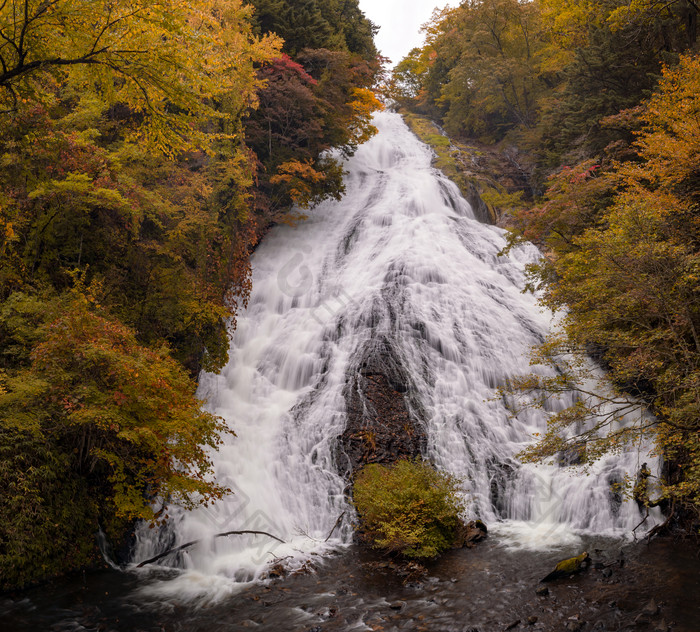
{"type": "Point", "coordinates": [488, 589]}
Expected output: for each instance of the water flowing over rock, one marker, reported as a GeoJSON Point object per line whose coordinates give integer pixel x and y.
{"type": "Point", "coordinates": [392, 303]}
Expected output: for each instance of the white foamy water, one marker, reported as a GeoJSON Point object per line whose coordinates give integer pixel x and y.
{"type": "Point", "coordinates": [400, 263]}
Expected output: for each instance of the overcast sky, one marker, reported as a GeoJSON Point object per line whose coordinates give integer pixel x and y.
{"type": "Point", "coordinates": [400, 22]}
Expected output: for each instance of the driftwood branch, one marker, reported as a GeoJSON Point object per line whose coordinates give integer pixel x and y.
{"type": "Point", "coordinates": [182, 547]}
{"type": "Point", "coordinates": [335, 526]}
{"type": "Point", "coordinates": [660, 527]}
{"type": "Point", "coordinates": [646, 517]}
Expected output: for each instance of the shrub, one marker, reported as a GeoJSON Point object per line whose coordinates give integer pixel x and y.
{"type": "Point", "coordinates": [408, 507]}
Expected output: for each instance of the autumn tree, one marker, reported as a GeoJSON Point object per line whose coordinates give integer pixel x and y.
{"type": "Point", "coordinates": [629, 285]}
{"type": "Point", "coordinates": [547, 76]}
{"type": "Point", "coordinates": [134, 184]}
{"type": "Point", "coordinates": [480, 66]}
{"type": "Point", "coordinates": [676, 22]}
{"type": "Point", "coordinates": [608, 75]}
{"type": "Point", "coordinates": [113, 421]}
{"type": "Point", "coordinates": [126, 222]}
{"type": "Point", "coordinates": [162, 60]}
{"type": "Point", "coordinates": [317, 96]}
{"type": "Point", "coordinates": [575, 198]}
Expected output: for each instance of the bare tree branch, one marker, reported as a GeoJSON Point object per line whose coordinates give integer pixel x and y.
{"type": "Point", "coordinates": [182, 547]}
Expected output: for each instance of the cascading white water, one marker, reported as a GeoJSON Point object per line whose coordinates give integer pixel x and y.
{"type": "Point", "coordinates": [402, 260]}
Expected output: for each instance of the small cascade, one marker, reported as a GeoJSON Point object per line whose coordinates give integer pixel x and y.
{"type": "Point", "coordinates": [399, 266]}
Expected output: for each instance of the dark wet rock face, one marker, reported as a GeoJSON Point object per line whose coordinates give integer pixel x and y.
{"type": "Point", "coordinates": [382, 425]}
{"type": "Point", "coordinates": [470, 533]}
{"type": "Point", "coordinates": [500, 474]}
{"type": "Point", "coordinates": [479, 207]}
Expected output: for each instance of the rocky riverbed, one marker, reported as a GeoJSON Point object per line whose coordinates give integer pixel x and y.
{"type": "Point", "coordinates": [486, 589]}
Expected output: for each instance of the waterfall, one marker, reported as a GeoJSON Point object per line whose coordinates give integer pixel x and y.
{"type": "Point", "coordinates": [400, 263]}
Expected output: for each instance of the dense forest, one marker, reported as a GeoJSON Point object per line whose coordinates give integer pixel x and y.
{"type": "Point", "coordinates": [597, 105]}
{"type": "Point", "coordinates": [145, 147]}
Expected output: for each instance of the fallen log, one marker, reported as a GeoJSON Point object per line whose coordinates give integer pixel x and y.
{"type": "Point", "coordinates": [659, 528]}
{"type": "Point", "coordinates": [335, 526]}
{"type": "Point", "coordinates": [182, 547]}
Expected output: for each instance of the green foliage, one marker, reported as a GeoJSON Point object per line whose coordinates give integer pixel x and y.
{"type": "Point", "coordinates": [613, 72]}
{"type": "Point", "coordinates": [407, 76]}
{"type": "Point", "coordinates": [314, 24]}
{"type": "Point", "coordinates": [300, 24]}
{"type": "Point", "coordinates": [48, 516]}
{"type": "Point", "coordinates": [408, 507]}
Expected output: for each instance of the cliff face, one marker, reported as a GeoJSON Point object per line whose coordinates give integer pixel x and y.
{"type": "Point", "coordinates": [491, 178]}
{"type": "Point", "coordinates": [383, 424]}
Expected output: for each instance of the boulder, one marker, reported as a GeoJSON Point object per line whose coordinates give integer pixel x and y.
{"type": "Point", "coordinates": [568, 567]}
{"type": "Point", "coordinates": [649, 612]}
{"type": "Point", "coordinates": [469, 534]}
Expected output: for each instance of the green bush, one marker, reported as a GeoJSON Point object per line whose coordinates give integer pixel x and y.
{"type": "Point", "coordinates": [408, 507]}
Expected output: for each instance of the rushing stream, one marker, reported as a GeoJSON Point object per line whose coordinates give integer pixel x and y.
{"type": "Point", "coordinates": [401, 267]}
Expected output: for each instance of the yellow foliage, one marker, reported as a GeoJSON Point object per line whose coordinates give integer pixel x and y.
{"type": "Point", "coordinates": [408, 507]}
{"type": "Point", "coordinates": [631, 10]}
{"type": "Point", "coordinates": [300, 176]}
{"type": "Point", "coordinates": [568, 21]}
{"type": "Point", "coordinates": [164, 60]}
{"type": "Point", "coordinates": [670, 144]}
{"type": "Point", "coordinates": [364, 102]}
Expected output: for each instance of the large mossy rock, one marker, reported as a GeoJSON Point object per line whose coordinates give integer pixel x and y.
{"type": "Point", "coordinates": [568, 567]}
